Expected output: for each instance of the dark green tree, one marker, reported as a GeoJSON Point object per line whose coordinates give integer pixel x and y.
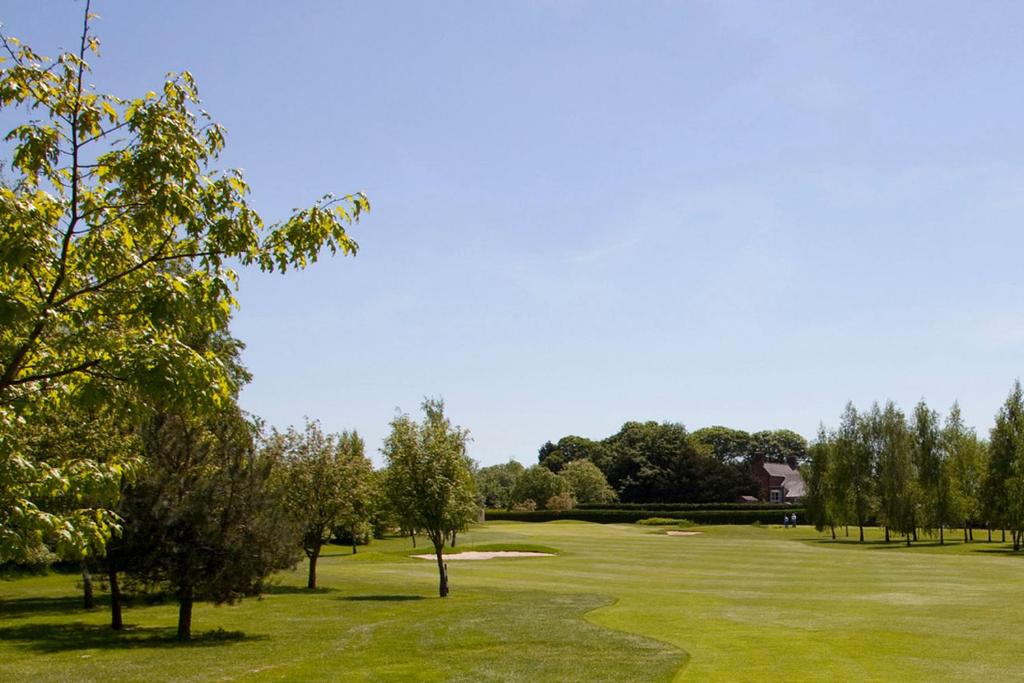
{"type": "Point", "coordinates": [572, 448]}
{"type": "Point", "coordinates": [203, 519]}
{"type": "Point", "coordinates": [733, 446]}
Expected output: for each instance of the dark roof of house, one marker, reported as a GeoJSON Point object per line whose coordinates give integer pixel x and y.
{"type": "Point", "coordinates": [783, 475]}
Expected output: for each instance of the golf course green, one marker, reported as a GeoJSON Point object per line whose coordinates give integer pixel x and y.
{"type": "Point", "coordinates": [616, 603]}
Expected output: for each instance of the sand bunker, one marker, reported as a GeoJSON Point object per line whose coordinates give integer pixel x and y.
{"type": "Point", "coordinates": [485, 555]}
{"type": "Point", "coordinates": [684, 533]}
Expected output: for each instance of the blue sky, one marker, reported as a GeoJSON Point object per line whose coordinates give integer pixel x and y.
{"type": "Point", "coordinates": [591, 212]}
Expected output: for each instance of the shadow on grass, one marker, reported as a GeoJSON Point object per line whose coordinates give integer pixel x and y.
{"type": "Point", "coordinates": [381, 598]}
{"type": "Point", "coordinates": [296, 590]}
{"type": "Point", "coordinates": [1006, 551]}
{"type": "Point", "coordinates": [13, 608]}
{"type": "Point", "coordinates": [975, 546]}
{"type": "Point", "coordinates": [50, 638]}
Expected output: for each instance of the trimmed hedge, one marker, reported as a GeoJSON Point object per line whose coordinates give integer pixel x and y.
{"type": "Point", "coordinates": [609, 516]}
{"type": "Point", "coordinates": [658, 507]}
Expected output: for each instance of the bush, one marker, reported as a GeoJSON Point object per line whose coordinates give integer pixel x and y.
{"type": "Point", "coordinates": [665, 521]}
{"type": "Point", "coordinates": [561, 502]}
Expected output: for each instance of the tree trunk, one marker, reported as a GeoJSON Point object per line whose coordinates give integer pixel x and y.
{"type": "Point", "coordinates": [886, 534]}
{"type": "Point", "coordinates": [1004, 535]}
{"type": "Point", "coordinates": [453, 538]}
{"type": "Point", "coordinates": [353, 532]}
{"type": "Point", "coordinates": [442, 569]}
{"type": "Point", "coordinates": [185, 614]}
{"type": "Point", "coordinates": [115, 601]}
{"type": "Point", "coordinates": [847, 530]}
{"type": "Point", "coordinates": [989, 526]}
{"type": "Point", "coordinates": [915, 532]}
{"type": "Point", "coordinates": [413, 535]}
{"type": "Point", "coordinates": [833, 533]}
{"type": "Point", "coordinates": [942, 537]}
{"type": "Point", "coordinates": [970, 531]}
{"type": "Point", "coordinates": [313, 555]}
{"type": "Point", "coordinates": [965, 531]}
{"type": "Point", "coordinates": [87, 597]}
{"type": "Point", "coordinates": [861, 525]}
{"type": "Point", "coordinates": [908, 540]}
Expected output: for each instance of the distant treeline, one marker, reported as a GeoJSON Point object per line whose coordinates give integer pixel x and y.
{"type": "Point", "coordinates": [644, 462]}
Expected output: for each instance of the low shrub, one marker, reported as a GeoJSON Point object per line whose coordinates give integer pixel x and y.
{"type": "Point", "coordinates": [665, 521]}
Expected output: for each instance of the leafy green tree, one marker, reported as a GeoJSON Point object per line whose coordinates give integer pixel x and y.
{"type": "Point", "coordinates": [429, 475]}
{"type": "Point", "coordinates": [1004, 485]}
{"type": "Point", "coordinates": [538, 484]}
{"type": "Point", "coordinates": [854, 469]}
{"type": "Point", "coordinates": [325, 481]}
{"type": "Point", "coordinates": [929, 457]}
{"type": "Point", "coordinates": [587, 483]}
{"type": "Point", "coordinates": [822, 499]}
{"type": "Point", "coordinates": [892, 443]}
{"type": "Point", "coordinates": [203, 520]}
{"type": "Point", "coordinates": [118, 237]}
{"type": "Point", "coordinates": [728, 445]}
{"type": "Point", "coordinates": [780, 445]}
{"type": "Point", "coordinates": [966, 464]}
{"type": "Point", "coordinates": [496, 482]}
{"type": "Point", "coordinates": [655, 462]}
{"type": "Point", "coordinates": [572, 448]}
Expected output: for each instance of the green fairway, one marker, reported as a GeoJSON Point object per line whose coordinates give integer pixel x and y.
{"type": "Point", "coordinates": [619, 602]}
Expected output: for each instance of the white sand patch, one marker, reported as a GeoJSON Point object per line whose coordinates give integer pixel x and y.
{"type": "Point", "coordinates": [485, 555]}
{"type": "Point", "coordinates": [683, 533]}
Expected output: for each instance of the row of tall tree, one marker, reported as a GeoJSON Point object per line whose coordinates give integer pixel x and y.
{"type": "Point", "coordinates": [919, 472]}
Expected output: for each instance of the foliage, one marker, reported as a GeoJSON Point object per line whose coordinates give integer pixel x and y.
{"type": "Point", "coordinates": [326, 484]}
{"type": "Point", "coordinates": [428, 475]}
{"type": "Point", "coordinates": [780, 445]}
{"type": "Point", "coordinates": [60, 494]}
{"type": "Point", "coordinates": [572, 448]}
{"type": "Point", "coordinates": [494, 484]}
{"type": "Point", "coordinates": [561, 502]}
{"type": "Point", "coordinates": [1004, 486]}
{"type": "Point", "coordinates": [966, 465]}
{"type": "Point", "coordinates": [587, 483]}
{"type": "Point", "coordinates": [658, 462]}
{"type": "Point", "coordinates": [118, 237]}
{"type": "Point", "coordinates": [203, 519]}
{"type": "Point", "coordinates": [727, 445]}
{"type": "Point", "coordinates": [538, 483]}
{"type": "Point", "coordinates": [666, 521]}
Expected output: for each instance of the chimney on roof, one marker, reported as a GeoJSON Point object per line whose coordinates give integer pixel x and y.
{"type": "Point", "coordinates": [791, 461]}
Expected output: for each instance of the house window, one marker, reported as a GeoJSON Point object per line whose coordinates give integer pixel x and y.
{"type": "Point", "coordinates": [775, 496]}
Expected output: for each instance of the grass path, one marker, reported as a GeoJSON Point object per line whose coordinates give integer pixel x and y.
{"type": "Point", "coordinates": [618, 603]}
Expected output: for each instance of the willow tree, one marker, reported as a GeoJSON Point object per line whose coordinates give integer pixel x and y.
{"type": "Point", "coordinates": [118, 234]}
{"type": "Point", "coordinates": [428, 472]}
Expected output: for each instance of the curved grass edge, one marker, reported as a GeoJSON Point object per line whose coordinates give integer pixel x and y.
{"type": "Point", "coordinates": [613, 601]}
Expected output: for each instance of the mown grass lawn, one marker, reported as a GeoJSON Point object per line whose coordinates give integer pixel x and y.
{"type": "Point", "coordinates": [618, 603]}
